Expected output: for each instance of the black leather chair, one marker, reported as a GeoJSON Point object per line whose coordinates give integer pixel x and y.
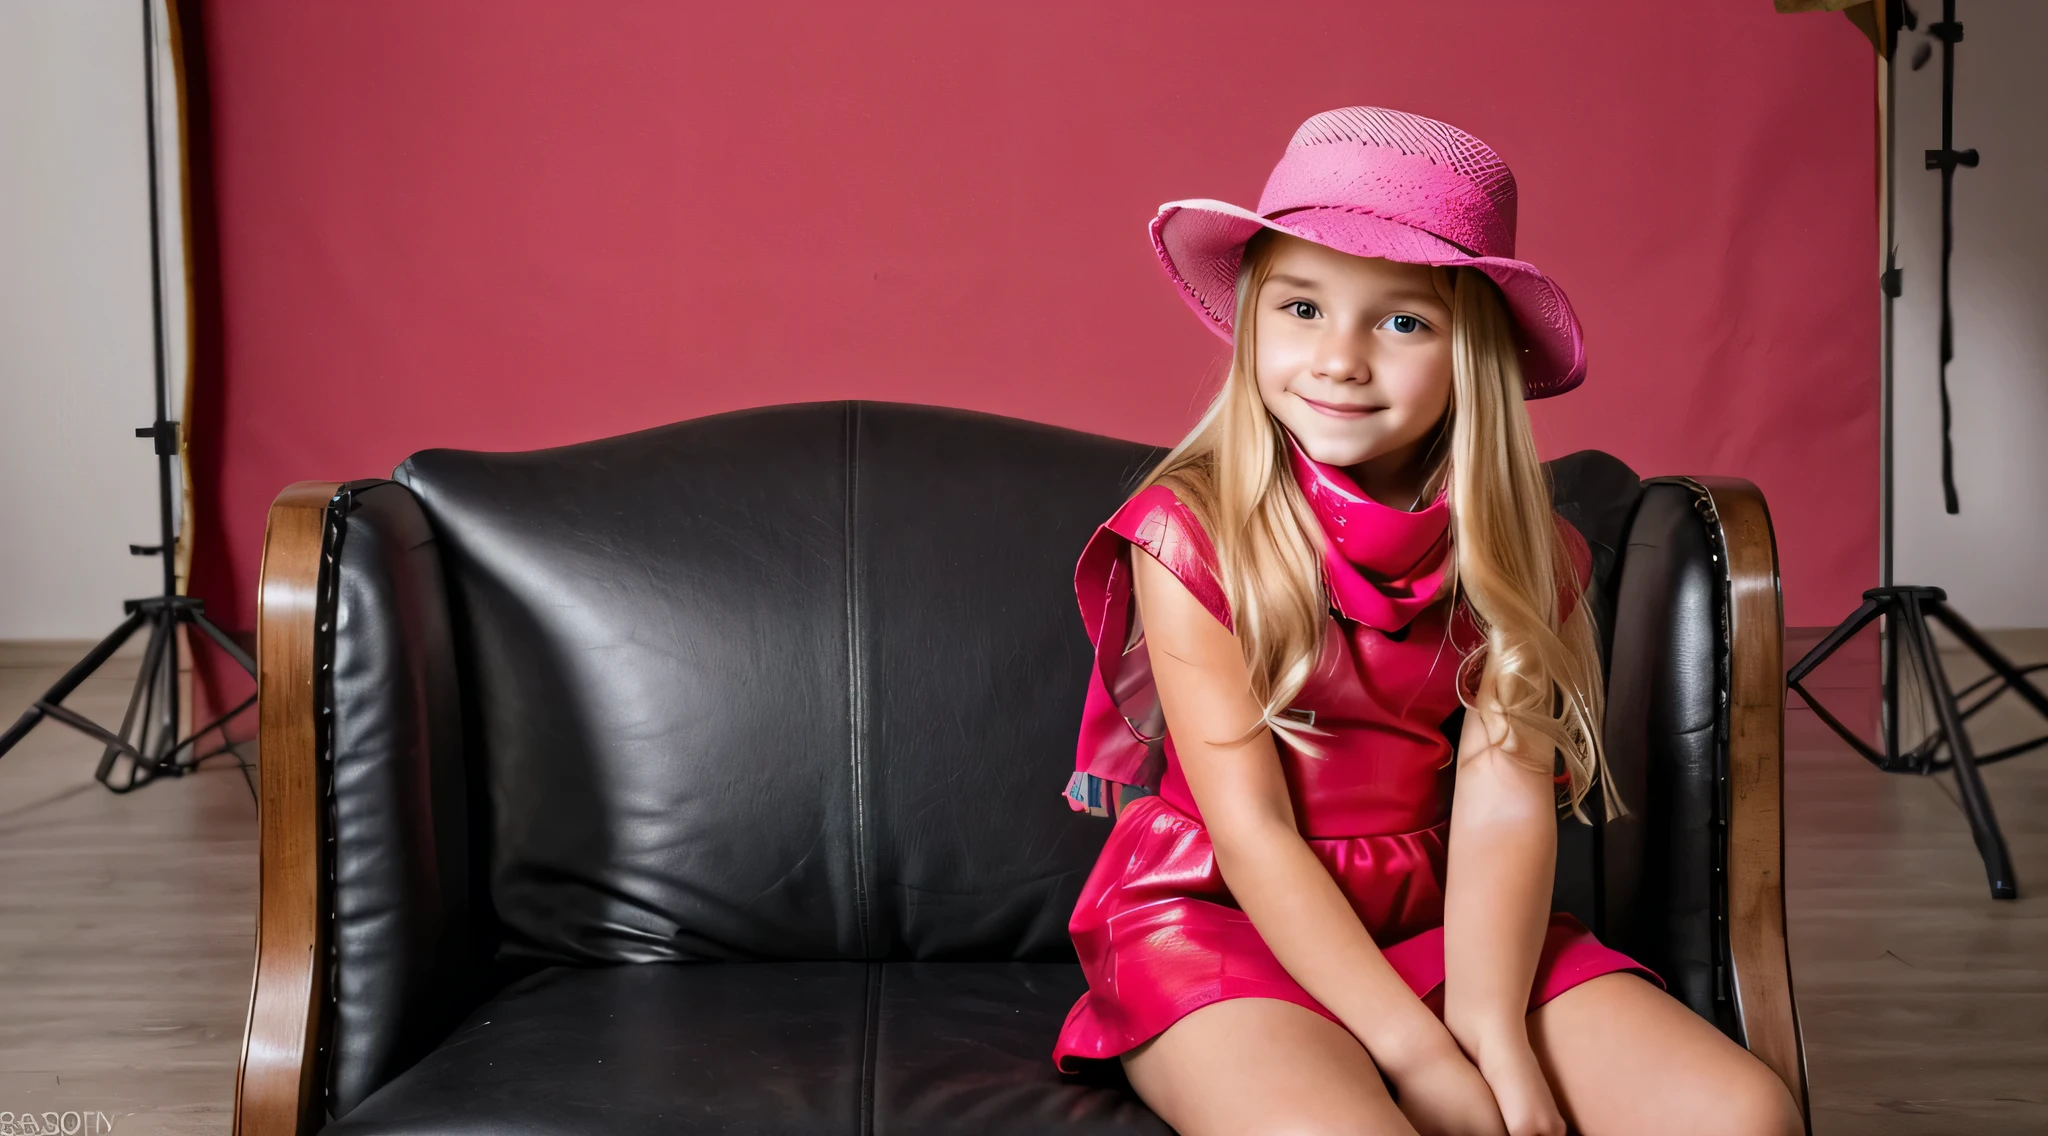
{"type": "Point", "coordinates": [707, 779]}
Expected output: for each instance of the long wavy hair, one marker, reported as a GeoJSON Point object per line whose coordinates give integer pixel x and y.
{"type": "Point", "coordinates": [1509, 562]}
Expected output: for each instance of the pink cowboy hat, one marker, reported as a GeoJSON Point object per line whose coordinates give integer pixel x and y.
{"type": "Point", "coordinates": [1375, 182]}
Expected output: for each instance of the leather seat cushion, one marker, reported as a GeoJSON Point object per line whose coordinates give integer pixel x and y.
{"type": "Point", "coordinates": [810, 1048]}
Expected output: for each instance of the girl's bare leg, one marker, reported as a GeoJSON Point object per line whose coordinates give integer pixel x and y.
{"type": "Point", "coordinates": [1249, 1066]}
{"type": "Point", "coordinates": [1623, 1057]}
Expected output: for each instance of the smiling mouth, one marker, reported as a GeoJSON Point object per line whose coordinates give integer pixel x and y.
{"type": "Point", "coordinates": [1336, 411]}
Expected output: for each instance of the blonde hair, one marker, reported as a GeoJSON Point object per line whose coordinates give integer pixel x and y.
{"type": "Point", "coordinates": [1509, 562]}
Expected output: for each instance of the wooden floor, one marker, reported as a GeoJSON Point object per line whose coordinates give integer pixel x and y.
{"type": "Point", "coordinates": [126, 927]}
{"type": "Point", "coordinates": [1923, 1002]}
{"type": "Point", "coordinates": [127, 923]}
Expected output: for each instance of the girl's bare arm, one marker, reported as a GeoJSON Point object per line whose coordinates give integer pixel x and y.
{"type": "Point", "coordinates": [1503, 855]}
{"type": "Point", "coordinates": [1291, 898]}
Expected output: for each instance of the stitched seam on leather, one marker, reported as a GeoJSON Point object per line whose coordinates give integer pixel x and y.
{"type": "Point", "coordinates": [855, 702]}
{"type": "Point", "coordinates": [1724, 646]}
{"type": "Point", "coordinates": [327, 621]}
{"type": "Point", "coordinates": [871, 1037]}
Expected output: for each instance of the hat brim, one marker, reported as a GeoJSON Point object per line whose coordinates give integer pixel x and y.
{"type": "Point", "coordinates": [1201, 242]}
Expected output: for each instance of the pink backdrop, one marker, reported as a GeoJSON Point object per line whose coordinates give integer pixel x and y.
{"type": "Point", "coordinates": [505, 224]}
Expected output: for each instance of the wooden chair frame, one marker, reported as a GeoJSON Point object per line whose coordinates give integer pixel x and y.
{"type": "Point", "coordinates": [1753, 611]}
{"type": "Point", "coordinates": [278, 1086]}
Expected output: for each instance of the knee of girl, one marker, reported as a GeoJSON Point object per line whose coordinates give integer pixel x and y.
{"type": "Point", "coordinates": [1309, 1126]}
{"type": "Point", "coordinates": [1757, 1104]}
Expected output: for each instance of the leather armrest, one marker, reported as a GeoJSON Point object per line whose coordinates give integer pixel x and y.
{"type": "Point", "coordinates": [367, 854]}
{"type": "Point", "coordinates": [1693, 878]}
{"type": "Point", "coordinates": [1754, 625]}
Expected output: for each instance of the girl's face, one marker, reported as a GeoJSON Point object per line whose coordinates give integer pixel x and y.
{"type": "Point", "coordinates": [1354, 357]}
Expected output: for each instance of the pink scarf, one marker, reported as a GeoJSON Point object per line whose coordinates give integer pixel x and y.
{"type": "Point", "coordinates": [1382, 565]}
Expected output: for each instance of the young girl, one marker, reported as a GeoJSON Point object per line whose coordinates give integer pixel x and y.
{"type": "Point", "coordinates": [1355, 541]}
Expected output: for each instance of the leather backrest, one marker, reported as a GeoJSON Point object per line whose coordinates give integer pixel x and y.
{"type": "Point", "coordinates": [796, 682]}
{"type": "Point", "coordinates": [1598, 495]}
{"type": "Point", "coordinates": [802, 682]}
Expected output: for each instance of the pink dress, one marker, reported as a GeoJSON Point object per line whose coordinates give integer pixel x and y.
{"type": "Point", "coordinates": [1157, 932]}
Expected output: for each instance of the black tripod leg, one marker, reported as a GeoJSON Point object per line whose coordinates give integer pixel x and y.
{"type": "Point", "coordinates": [2019, 683]}
{"type": "Point", "coordinates": [1843, 632]}
{"type": "Point", "coordinates": [160, 630]}
{"type": "Point", "coordinates": [1969, 784]}
{"type": "Point", "coordinates": [77, 674]}
{"type": "Point", "coordinates": [192, 742]}
{"type": "Point", "coordinates": [1888, 682]}
{"type": "Point", "coordinates": [1840, 635]}
{"type": "Point", "coordinates": [220, 637]}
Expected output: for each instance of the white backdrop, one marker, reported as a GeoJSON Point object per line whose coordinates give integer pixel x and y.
{"type": "Point", "coordinates": [1993, 556]}
{"type": "Point", "coordinates": [76, 485]}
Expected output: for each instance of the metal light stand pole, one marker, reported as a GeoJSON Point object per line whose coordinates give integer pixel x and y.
{"type": "Point", "coordinates": [148, 736]}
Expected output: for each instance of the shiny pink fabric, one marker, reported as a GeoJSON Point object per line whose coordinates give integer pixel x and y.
{"type": "Point", "coordinates": [1382, 565]}
{"type": "Point", "coordinates": [1157, 932]}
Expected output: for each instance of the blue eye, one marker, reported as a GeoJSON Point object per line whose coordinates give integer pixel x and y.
{"type": "Point", "coordinates": [1405, 324]}
{"type": "Point", "coordinates": [1302, 309]}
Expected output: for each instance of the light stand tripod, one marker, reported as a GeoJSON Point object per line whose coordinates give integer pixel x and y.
{"type": "Point", "coordinates": [1906, 609]}
{"type": "Point", "coordinates": [148, 736]}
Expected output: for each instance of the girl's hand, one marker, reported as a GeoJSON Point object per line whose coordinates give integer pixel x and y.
{"type": "Point", "coordinates": [1443, 1095]}
{"type": "Point", "coordinates": [1523, 1094]}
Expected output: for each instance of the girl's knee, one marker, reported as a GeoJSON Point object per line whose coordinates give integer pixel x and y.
{"type": "Point", "coordinates": [1327, 1125]}
{"type": "Point", "coordinates": [1756, 1104]}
